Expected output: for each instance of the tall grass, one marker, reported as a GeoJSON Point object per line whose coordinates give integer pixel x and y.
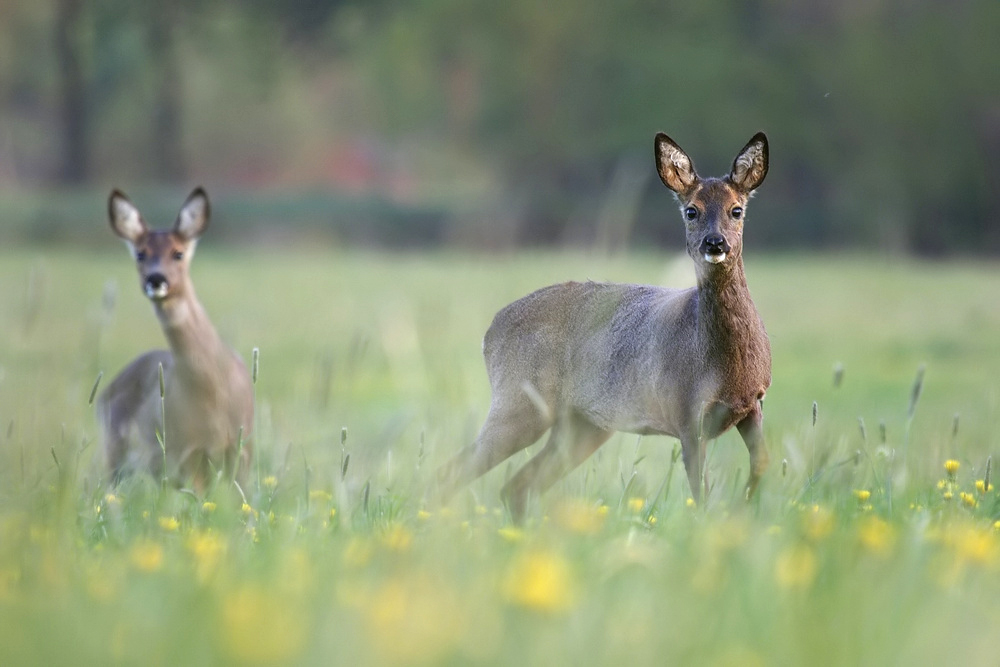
{"type": "Point", "coordinates": [336, 551]}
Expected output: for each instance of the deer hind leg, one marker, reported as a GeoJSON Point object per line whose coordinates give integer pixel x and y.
{"type": "Point", "coordinates": [573, 439]}
{"type": "Point", "coordinates": [751, 431]}
{"type": "Point", "coordinates": [508, 429]}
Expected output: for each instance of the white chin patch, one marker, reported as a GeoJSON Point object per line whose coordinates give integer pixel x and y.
{"type": "Point", "coordinates": [156, 293]}
{"type": "Point", "coordinates": [715, 259]}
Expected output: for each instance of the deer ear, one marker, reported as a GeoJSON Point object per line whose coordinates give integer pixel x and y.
{"type": "Point", "coordinates": [193, 218]}
{"type": "Point", "coordinates": [750, 166]}
{"type": "Point", "coordinates": [125, 219]}
{"type": "Point", "coordinates": [674, 166]}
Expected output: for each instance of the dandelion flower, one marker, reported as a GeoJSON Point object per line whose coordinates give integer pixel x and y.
{"type": "Point", "coordinates": [877, 536]}
{"type": "Point", "coordinates": [968, 499]}
{"type": "Point", "coordinates": [635, 505]}
{"type": "Point", "coordinates": [690, 502]}
{"type": "Point", "coordinates": [540, 581]}
{"type": "Point", "coordinates": [862, 495]}
{"type": "Point", "coordinates": [796, 567]}
{"type": "Point", "coordinates": [261, 627]}
{"type": "Point", "coordinates": [579, 516]}
{"type": "Point", "coordinates": [511, 534]}
{"type": "Point", "coordinates": [270, 482]}
{"type": "Point", "coordinates": [112, 499]}
{"type": "Point", "coordinates": [818, 523]}
{"type": "Point", "coordinates": [397, 538]}
{"type": "Point", "coordinates": [169, 524]}
{"type": "Point", "coordinates": [146, 556]}
{"type": "Point", "coordinates": [981, 486]}
{"type": "Point", "coordinates": [208, 507]}
{"type": "Point", "coordinates": [951, 466]}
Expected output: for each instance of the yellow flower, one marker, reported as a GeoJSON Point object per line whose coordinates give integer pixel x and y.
{"type": "Point", "coordinates": [146, 556]}
{"type": "Point", "coordinates": [996, 525]}
{"type": "Point", "coordinates": [947, 495]}
{"type": "Point", "coordinates": [397, 538]}
{"type": "Point", "coordinates": [208, 507]}
{"type": "Point", "coordinates": [112, 499]}
{"type": "Point", "coordinates": [968, 499]}
{"type": "Point", "coordinates": [357, 553]}
{"type": "Point", "coordinates": [423, 515]}
{"type": "Point", "coordinates": [540, 581]}
{"type": "Point", "coordinates": [652, 520]}
{"type": "Point", "coordinates": [579, 516]}
{"type": "Point", "coordinates": [877, 536]}
{"type": "Point", "coordinates": [333, 513]}
{"type": "Point", "coordinates": [635, 505]}
{"type": "Point", "coordinates": [796, 567]}
{"type": "Point", "coordinates": [207, 548]}
{"type": "Point", "coordinates": [413, 620]}
{"type": "Point", "coordinates": [480, 510]}
{"type": "Point", "coordinates": [269, 482]}
{"type": "Point", "coordinates": [257, 626]}
{"type": "Point", "coordinates": [977, 546]}
{"type": "Point", "coordinates": [320, 496]}
{"type": "Point", "coordinates": [951, 466]}
{"type": "Point", "coordinates": [169, 524]}
{"type": "Point", "coordinates": [818, 523]}
{"type": "Point", "coordinates": [690, 502]}
{"type": "Point", "coordinates": [511, 533]}
{"type": "Point", "coordinates": [862, 495]}
{"type": "Point", "coordinates": [981, 486]}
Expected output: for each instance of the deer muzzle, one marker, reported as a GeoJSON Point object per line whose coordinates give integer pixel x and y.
{"type": "Point", "coordinates": [715, 248]}
{"type": "Point", "coordinates": [156, 286]}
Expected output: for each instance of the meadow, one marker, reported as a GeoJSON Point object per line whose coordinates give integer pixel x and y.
{"type": "Point", "coordinates": [874, 538]}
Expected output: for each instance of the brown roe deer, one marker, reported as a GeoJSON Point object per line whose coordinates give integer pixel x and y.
{"type": "Point", "coordinates": [589, 359]}
{"type": "Point", "coordinates": [208, 399]}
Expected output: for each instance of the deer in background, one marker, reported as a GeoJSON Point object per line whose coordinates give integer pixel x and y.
{"type": "Point", "coordinates": [588, 359]}
{"type": "Point", "coordinates": [208, 400]}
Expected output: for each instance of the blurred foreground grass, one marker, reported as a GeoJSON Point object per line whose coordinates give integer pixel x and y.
{"type": "Point", "coordinates": [850, 555]}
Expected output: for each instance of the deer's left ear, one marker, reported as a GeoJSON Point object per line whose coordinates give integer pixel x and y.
{"type": "Point", "coordinates": [192, 221]}
{"type": "Point", "coordinates": [750, 166]}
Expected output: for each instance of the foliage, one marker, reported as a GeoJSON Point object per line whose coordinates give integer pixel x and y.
{"type": "Point", "coordinates": [883, 117]}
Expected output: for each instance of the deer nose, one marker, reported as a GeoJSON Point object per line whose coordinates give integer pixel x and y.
{"type": "Point", "coordinates": [715, 244]}
{"type": "Point", "coordinates": [156, 286]}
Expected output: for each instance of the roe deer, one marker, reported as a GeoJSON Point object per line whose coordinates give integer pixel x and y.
{"type": "Point", "coordinates": [208, 399]}
{"type": "Point", "coordinates": [588, 359]}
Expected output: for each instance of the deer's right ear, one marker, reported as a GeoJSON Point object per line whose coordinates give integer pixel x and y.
{"type": "Point", "coordinates": [125, 219]}
{"type": "Point", "coordinates": [674, 166]}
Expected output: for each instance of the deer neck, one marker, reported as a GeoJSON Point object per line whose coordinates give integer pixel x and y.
{"type": "Point", "coordinates": [198, 351]}
{"type": "Point", "coordinates": [728, 324]}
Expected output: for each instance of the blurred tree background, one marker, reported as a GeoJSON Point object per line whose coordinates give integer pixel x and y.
{"type": "Point", "coordinates": [493, 124]}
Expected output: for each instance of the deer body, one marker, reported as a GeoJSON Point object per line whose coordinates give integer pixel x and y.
{"type": "Point", "coordinates": [588, 359]}
{"type": "Point", "coordinates": [208, 394]}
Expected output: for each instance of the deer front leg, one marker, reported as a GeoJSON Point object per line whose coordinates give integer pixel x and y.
{"type": "Point", "coordinates": [693, 455]}
{"type": "Point", "coordinates": [750, 428]}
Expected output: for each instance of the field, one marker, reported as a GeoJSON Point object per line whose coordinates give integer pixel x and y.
{"type": "Point", "coordinates": [862, 547]}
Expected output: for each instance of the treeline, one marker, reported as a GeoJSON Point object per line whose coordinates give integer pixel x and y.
{"type": "Point", "coordinates": [493, 123]}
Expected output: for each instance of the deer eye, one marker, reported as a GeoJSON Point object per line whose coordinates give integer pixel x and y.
{"type": "Point", "coordinates": [178, 255]}
{"type": "Point", "coordinates": [140, 255]}
{"type": "Point", "coordinates": [690, 213]}
{"type": "Point", "coordinates": [737, 213]}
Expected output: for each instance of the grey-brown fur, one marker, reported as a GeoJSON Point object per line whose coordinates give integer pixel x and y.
{"type": "Point", "coordinates": [589, 359]}
{"type": "Point", "coordinates": [208, 391]}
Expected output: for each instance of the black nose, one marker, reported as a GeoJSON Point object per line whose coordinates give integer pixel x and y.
{"type": "Point", "coordinates": [715, 244]}
{"type": "Point", "coordinates": [156, 281]}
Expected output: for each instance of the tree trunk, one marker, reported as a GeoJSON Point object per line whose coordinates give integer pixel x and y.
{"type": "Point", "coordinates": [74, 121]}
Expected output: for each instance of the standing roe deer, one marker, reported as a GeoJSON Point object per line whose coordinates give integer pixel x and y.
{"type": "Point", "coordinates": [588, 359]}
{"type": "Point", "coordinates": [208, 400]}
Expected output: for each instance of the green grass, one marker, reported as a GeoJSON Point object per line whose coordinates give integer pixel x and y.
{"type": "Point", "coordinates": [613, 567]}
